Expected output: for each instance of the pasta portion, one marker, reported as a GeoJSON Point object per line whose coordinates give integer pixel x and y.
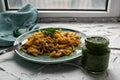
{"type": "Point", "coordinates": [58, 45]}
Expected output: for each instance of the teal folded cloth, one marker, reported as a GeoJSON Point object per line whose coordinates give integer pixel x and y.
{"type": "Point", "coordinates": [11, 22]}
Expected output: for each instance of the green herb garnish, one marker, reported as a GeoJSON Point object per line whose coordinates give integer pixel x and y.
{"type": "Point", "coordinates": [49, 31]}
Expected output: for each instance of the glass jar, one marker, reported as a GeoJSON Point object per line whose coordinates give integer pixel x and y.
{"type": "Point", "coordinates": [95, 54]}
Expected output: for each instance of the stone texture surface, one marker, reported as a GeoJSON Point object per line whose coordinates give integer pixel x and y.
{"type": "Point", "coordinates": [13, 67]}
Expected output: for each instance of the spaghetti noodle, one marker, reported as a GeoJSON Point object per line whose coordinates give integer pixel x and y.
{"type": "Point", "coordinates": [58, 45]}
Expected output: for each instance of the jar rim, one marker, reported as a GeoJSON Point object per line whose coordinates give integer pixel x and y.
{"type": "Point", "coordinates": [97, 41]}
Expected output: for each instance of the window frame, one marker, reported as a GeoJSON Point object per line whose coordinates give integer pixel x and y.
{"type": "Point", "coordinates": [110, 11]}
{"type": "Point", "coordinates": [106, 7]}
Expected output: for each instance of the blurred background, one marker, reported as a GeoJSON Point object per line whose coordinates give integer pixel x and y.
{"type": "Point", "coordinates": [59, 4]}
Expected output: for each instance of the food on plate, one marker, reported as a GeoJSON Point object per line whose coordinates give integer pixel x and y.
{"type": "Point", "coordinates": [51, 42]}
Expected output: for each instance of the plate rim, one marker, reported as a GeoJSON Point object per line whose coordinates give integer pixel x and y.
{"type": "Point", "coordinates": [42, 61]}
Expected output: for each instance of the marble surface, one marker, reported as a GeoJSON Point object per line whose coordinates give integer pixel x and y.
{"type": "Point", "coordinates": [13, 67]}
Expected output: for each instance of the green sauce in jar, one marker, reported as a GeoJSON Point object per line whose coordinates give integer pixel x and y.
{"type": "Point", "coordinates": [95, 54]}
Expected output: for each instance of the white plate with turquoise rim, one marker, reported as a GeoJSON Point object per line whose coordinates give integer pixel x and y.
{"type": "Point", "coordinates": [47, 59]}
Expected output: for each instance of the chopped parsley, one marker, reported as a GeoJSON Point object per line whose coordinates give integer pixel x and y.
{"type": "Point", "coordinates": [49, 31]}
